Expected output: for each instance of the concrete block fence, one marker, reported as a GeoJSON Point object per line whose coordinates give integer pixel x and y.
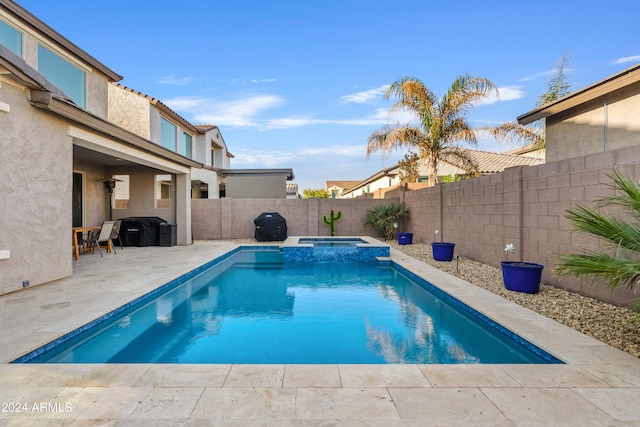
{"type": "Point", "coordinates": [229, 218]}
{"type": "Point", "coordinates": [523, 205]}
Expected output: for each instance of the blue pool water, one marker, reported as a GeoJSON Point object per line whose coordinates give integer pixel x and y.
{"type": "Point", "coordinates": [253, 308]}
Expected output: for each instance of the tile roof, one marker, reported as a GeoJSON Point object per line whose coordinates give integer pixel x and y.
{"type": "Point", "coordinates": [341, 184]}
{"type": "Point", "coordinates": [205, 128]}
{"type": "Point", "coordinates": [489, 162]}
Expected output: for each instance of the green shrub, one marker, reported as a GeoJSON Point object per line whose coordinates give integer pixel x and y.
{"type": "Point", "coordinates": [384, 218]}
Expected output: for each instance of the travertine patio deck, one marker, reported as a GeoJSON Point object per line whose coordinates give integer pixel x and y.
{"type": "Point", "coordinates": [599, 385]}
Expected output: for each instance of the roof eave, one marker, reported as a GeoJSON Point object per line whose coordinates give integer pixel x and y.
{"type": "Point", "coordinates": [260, 172]}
{"type": "Point", "coordinates": [617, 81]}
{"type": "Point", "coordinates": [47, 101]}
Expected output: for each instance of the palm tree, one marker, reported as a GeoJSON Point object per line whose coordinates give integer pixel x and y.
{"type": "Point", "coordinates": [442, 122]}
{"type": "Point", "coordinates": [620, 265]}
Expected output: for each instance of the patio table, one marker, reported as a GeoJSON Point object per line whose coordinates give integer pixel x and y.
{"type": "Point", "coordinates": [76, 230]}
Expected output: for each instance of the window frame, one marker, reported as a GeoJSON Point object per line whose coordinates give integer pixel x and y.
{"type": "Point", "coordinates": [20, 41]}
{"type": "Point", "coordinates": [79, 98]}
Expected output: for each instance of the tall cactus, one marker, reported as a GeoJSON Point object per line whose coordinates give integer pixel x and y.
{"type": "Point", "coordinates": [332, 221]}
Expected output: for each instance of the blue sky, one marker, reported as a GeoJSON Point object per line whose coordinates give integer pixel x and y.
{"type": "Point", "coordinates": [298, 84]}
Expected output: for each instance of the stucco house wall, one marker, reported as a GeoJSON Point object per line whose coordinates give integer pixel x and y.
{"type": "Point", "coordinates": [142, 194]}
{"type": "Point", "coordinates": [130, 111]}
{"type": "Point", "coordinates": [35, 205]}
{"type": "Point", "coordinates": [602, 117]}
{"type": "Point", "coordinates": [603, 124]}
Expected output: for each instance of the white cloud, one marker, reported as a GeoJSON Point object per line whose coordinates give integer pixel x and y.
{"type": "Point", "coordinates": [241, 112]}
{"type": "Point", "coordinates": [247, 111]}
{"type": "Point", "coordinates": [264, 80]}
{"type": "Point", "coordinates": [365, 96]}
{"type": "Point", "coordinates": [280, 158]}
{"type": "Point", "coordinates": [536, 76]}
{"type": "Point", "coordinates": [264, 159]}
{"type": "Point", "coordinates": [506, 93]}
{"type": "Point", "coordinates": [186, 103]}
{"type": "Point", "coordinates": [627, 59]}
{"type": "Point", "coordinates": [336, 150]}
{"type": "Point", "coordinates": [290, 122]}
{"type": "Point", "coordinates": [173, 80]}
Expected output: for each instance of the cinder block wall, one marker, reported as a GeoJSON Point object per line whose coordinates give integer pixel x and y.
{"type": "Point", "coordinates": [524, 206]}
{"type": "Point", "coordinates": [229, 218]}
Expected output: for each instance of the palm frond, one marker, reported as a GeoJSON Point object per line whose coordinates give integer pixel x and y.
{"type": "Point", "coordinates": [618, 264]}
{"type": "Point", "coordinates": [461, 159]}
{"type": "Point", "coordinates": [388, 139]}
{"type": "Point", "coordinates": [629, 197]}
{"type": "Point", "coordinates": [597, 267]}
{"type": "Point", "coordinates": [510, 131]}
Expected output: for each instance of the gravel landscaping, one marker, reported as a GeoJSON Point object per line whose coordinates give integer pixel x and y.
{"type": "Point", "coordinates": [605, 322]}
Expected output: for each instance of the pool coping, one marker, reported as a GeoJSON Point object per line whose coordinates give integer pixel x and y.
{"type": "Point", "coordinates": [598, 382]}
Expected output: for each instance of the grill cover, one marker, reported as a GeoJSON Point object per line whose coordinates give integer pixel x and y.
{"type": "Point", "coordinates": [270, 226]}
{"type": "Point", "coordinates": [140, 230]}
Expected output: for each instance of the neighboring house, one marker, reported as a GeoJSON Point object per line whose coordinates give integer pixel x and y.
{"type": "Point", "coordinates": [602, 117]}
{"type": "Point", "coordinates": [58, 147]}
{"type": "Point", "coordinates": [383, 179]}
{"type": "Point", "coordinates": [488, 163]}
{"type": "Point", "coordinates": [335, 188]}
{"type": "Point", "coordinates": [149, 118]}
{"type": "Point", "coordinates": [213, 178]}
{"type": "Point", "coordinates": [257, 183]}
{"type": "Point", "coordinates": [292, 191]}
{"type": "Point", "coordinates": [529, 151]}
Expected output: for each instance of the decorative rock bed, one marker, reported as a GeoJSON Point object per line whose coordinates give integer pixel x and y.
{"type": "Point", "coordinates": [602, 321]}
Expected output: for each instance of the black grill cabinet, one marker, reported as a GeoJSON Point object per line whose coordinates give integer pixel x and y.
{"type": "Point", "coordinates": [140, 230]}
{"type": "Point", "coordinates": [168, 236]}
{"type": "Point", "coordinates": [270, 226]}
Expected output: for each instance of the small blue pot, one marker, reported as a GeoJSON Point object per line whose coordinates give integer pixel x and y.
{"type": "Point", "coordinates": [442, 251]}
{"type": "Point", "coordinates": [405, 238]}
{"type": "Point", "coordinates": [521, 276]}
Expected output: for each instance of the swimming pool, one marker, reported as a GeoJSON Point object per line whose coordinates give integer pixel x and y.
{"type": "Point", "coordinates": [296, 314]}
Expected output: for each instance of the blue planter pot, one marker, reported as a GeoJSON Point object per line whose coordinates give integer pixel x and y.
{"type": "Point", "coordinates": [521, 276]}
{"type": "Point", "coordinates": [405, 238]}
{"type": "Point", "coordinates": [442, 251]}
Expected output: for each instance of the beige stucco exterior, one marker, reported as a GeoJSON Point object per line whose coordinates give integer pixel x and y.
{"type": "Point", "coordinates": [46, 139]}
{"type": "Point", "coordinates": [130, 111]}
{"type": "Point", "coordinates": [599, 118]}
{"type": "Point", "coordinates": [35, 192]}
{"type": "Point", "coordinates": [606, 123]}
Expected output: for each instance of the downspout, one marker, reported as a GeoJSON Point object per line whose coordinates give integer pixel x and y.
{"type": "Point", "coordinates": [606, 124]}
